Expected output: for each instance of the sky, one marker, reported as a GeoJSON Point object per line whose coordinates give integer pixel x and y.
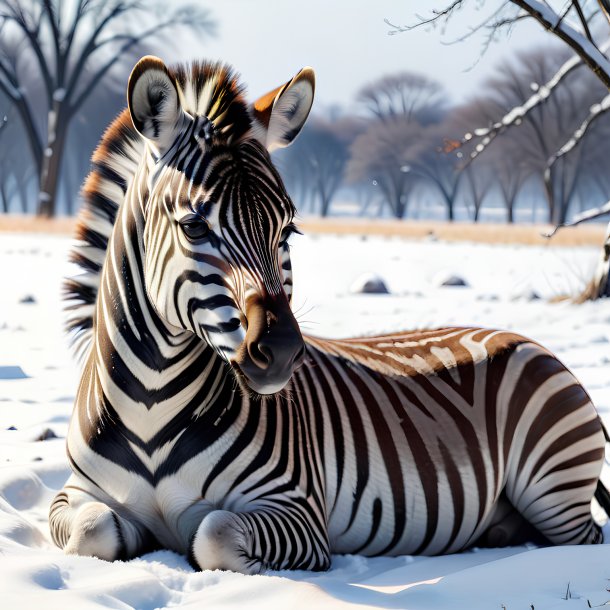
{"type": "Point", "coordinates": [348, 45]}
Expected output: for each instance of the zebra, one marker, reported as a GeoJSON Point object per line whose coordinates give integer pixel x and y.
{"type": "Point", "coordinates": [206, 423]}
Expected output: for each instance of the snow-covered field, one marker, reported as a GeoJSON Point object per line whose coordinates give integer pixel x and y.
{"type": "Point", "coordinates": [38, 381]}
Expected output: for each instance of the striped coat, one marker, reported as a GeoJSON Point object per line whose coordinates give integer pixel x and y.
{"type": "Point", "coordinates": [206, 423]}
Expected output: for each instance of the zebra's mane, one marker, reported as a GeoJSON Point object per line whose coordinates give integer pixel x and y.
{"type": "Point", "coordinates": [205, 89]}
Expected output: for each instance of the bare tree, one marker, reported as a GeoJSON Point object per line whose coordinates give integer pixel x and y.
{"type": "Point", "coordinates": [314, 166]}
{"type": "Point", "coordinates": [395, 154]}
{"type": "Point", "coordinates": [437, 166]}
{"type": "Point", "coordinates": [383, 156]}
{"type": "Point", "coordinates": [409, 95]}
{"type": "Point", "coordinates": [73, 47]}
{"type": "Point", "coordinates": [568, 22]}
{"type": "Point", "coordinates": [546, 126]}
{"type": "Point", "coordinates": [511, 174]}
{"type": "Point", "coordinates": [593, 178]}
{"type": "Point", "coordinates": [475, 188]}
{"type": "Point", "coordinates": [505, 166]}
{"type": "Point", "coordinates": [16, 175]}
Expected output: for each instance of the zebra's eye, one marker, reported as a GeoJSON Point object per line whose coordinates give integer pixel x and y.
{"type": "Point", "coordinates": [289, 229]}
{"type": "Point", "coordinates": [195, 228]}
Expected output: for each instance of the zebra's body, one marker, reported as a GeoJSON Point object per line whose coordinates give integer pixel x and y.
{"type": "Point", "coordinates": [421, 442]}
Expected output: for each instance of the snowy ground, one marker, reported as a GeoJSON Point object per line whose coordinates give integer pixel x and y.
{"type": "Point", "coordinates": [38, 380]}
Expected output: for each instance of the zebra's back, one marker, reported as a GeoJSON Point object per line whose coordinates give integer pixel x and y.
{"type": "Point", "coordinates": [425, 433]}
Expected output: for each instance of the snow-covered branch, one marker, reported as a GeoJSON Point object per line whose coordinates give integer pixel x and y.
{"type": "Point", "coordinates": [550, 20]}
{"type": "Point", "coordinates": [582, 19]}
{"type": "Point", "coordinates": [485, 135]}
{"type": "Point", "coordinates": [596, 111]}
{"type": "Point", "coordinates": [582, 217]}
{"type": "Point", "coordinates": [516, 114]}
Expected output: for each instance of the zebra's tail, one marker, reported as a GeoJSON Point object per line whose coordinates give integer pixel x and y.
{"type": "Point", "coordinates": [602, 495]}
{"type": "Point", "coordinates": [113, 164]}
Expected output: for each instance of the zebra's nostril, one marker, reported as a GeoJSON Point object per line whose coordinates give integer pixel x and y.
{"type": "Point", "coordinates": [261, 354]}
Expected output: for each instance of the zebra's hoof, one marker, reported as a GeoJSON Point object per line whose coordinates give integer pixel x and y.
{"type": "Point", "coordinates": [220, 543]}
{"type": "Point", "coordinates": [95, 533]}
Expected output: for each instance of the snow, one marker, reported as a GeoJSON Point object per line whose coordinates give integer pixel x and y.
{"type": "Point", "coordinates": [38, 380]}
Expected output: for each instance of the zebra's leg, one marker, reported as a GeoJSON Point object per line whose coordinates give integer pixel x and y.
{"type": "Point", "coordinates": [252, 542]}
{"type": "Point", "coordinates": [563, 516]}
{"type": "Point", "coordinates": [553, 477]}
{"type": "Point", "coordinates": [82, 525]}
{"type": "Point", "coordinates": [508, 527]}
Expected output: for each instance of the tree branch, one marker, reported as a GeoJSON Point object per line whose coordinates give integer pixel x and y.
{"type": "Point", "coordinates": [78, 15]}
{"type": "Point", "coordinates": [589, 53]}
{"type": "Point", "coordinates": [176, 19]}
{"type": "Point", "coordinates": [490, 24]}
{"type": "Point", "coordinates": [90, 47]}
{"type": "Point", "coordinates": [597, 111]}
{"type": "Point", "coordinates": [582, 217]}
{"type": "Point", "coordinates": [436, 15]}
{"type": "Point", "coordinates": [25, 112]}
{"type": "Point", "coordinates": [10, 88]}
{"type": "Point", "coordinates": [19, 17]}
{"type": "Point", "coordinates": [53, 18]}
{"type": "Point", "coordinates": [514, 117]}
{"type": "Point", "coordinates": [583, 20]}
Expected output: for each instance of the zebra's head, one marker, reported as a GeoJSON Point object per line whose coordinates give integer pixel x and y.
{"type": "Point", "coordinates": [216, 214]}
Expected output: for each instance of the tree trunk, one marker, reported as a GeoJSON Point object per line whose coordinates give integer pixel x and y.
{"type": "Point", "coordinates": [450, 212]}
{"type": "Point", "coordinates": [325, 205]}
{"type": "Point", "coordinates": [31, 132]}
{"type": "Point", "coordinates": [599, 286]}
{"type": "Point", "coordinates": [4, 196]}
{"type": "Point", "coordinates": [51, 162]}
{"type": "Point", "coordinates": [549, 191]}
{"type": "Point", "coordinates": [510, 212]}
{"type": "Point", "coordinates": [22, 189]}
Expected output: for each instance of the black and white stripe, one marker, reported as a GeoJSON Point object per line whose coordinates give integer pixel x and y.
{"type": "Point", "coordinates": [423, 442]}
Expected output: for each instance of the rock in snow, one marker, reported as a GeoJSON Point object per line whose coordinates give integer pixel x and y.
{"type": "Point", "coordinates": [369, 283]}
{"type": "Point", "coordinates": [12, 372]}
{"type": "Point", "coordinates": [445, 278]}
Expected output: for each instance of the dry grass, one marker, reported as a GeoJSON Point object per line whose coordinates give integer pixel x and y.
{"type": "Point", "coordinates": [34, 224]}
{"type": "Point", "coordinates": [584, 235]}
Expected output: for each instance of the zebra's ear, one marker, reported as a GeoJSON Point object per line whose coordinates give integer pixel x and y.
{"type": "Point", "coordinates": [281, 113]}
{"type": "Point", "coordinates": [153, 101]}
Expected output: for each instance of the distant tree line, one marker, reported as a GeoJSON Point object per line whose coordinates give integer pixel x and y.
{"type": "Point", "coordinates": [399, 156]}
{"type": "Point", "coordinates": [63, 68]}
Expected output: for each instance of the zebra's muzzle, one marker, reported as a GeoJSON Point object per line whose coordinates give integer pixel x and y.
{"type": "Point", "coordinates": [273, 347]}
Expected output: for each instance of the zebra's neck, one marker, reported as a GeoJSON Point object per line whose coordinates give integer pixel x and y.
{"type": "Point", "coordinates": [149, 372]}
